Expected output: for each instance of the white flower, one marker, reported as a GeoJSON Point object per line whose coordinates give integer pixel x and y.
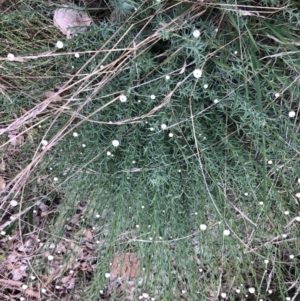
{"type": "Point", "coordinates": [292, 256]}
{"type": "Point", "coordinates": [299, 180]}
{"type": "Point", "coordinates": [152, 96]}
{"type": "Point", "coordinates": [59, 44]}
{"type": "Point", "coordinates": [246, 193]}
{"type": "Point", "coordinates": [167, 77]}
{"type": "Point", "coordinates": [286, 212]}
{"type": "Point", "coordinates": [133, 162]}
{"type": "Point", "coordinates": [223, 295]}
{"type": "Point", "coordinates": [196, 33]}
{"type": "Point", "coordinates": [179, 170]}
{"type": "Point", "coordinates": [50, 257]}
{"type": "Point", "coordinates": [288, 298]}
{"type": "Point", "coordinates": [75, 134]}
{"type": "Point", "coordinates": [270, 291]}
{"type": "Point", "coordinates": [151, 129]}
{"type": "Point", "coordinates": [83, 145]}
{"type": "Point", "coordinates": [163, 126]}
{"type": "Point", "coordinates": [108, 153]}
{"type": "Point", "coordinates": [13, 203]}
{"type": "Point", "coordinates": [44, 142]}
{"type": "Point", "coordinates": [123, 98]}
{"type": "Point", "coordinates": [183, 291]}
{"type": "Point", "coordinates": [11, 57]}
{"type": "Point", "coordinates": [277, 95]}
{"type": "Point", "coordinates": [115, 143]}
{"type": "Point", "coordinates": [297, 218]}
{"type": "Point", "coordinates": [251, 290]}
{"type": "Point", "coordinates": [226, 232]}
{"type": "Point", "coordinates": [55, 179]}
{"type": "Point", "coordinates": [145, 295]}
{"type": "Point", "coordinates": [22, 299]}
{"type": "Point", "coordinates": [107, 275]}
{"type": "Point", "coordinates": [235, 52]}
{"type": "Point", "coordinates": [205, 86]}
{"type": "Point", "coordinates": [32, 277]}
{"type": "Point", "coordinates": [216, 100]}
{"type": "Point", "coordinates": [284, 235]}
{"type": "Point", "coordinates": [203, 227]}
{"type": "Point", "coordinates": [57, 287]}
{"type": "Point", "coordinates": [266, 261]}
{"type": "Point", "coordinates": [3, 233]}
{"type": "Point", "coordinates": [170, 135]}
{"type": "Point", "coordinates": [298, 195]}
{"type": "Point", "coordinates": [261, 203]}
{"type": "Point", "coordinates": [137, 226]}
{"type": "Point", "coordinates": [197, 73]}
{"type": "Point", "coordinates": [43, 291]}
{"type": "Point", "coordinates": [270, 162]}
{"type": "Point", "coordinates": [76, 55]}
{"type": "Point", "coordinates": [238, 290]}
{"type": "Point", "coordinates": [292, 114]}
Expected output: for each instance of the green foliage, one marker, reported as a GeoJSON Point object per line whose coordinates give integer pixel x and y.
{"type": "Point", "coordinates": [228, 157]}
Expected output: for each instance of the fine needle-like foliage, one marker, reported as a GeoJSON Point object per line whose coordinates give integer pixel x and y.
{"type": "Point", "coordinates": [167, 131]}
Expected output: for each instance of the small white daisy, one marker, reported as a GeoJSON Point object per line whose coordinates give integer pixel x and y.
{"type": "Point", "coordinates": [55, 179]}
{"type": "Point", "coordinates": [203, 227]}
{"type": "Point", "coordinates": [298, 181]}
{"type": "Point", "coordinates": [197, 73]}
{"type": "Point", "coordinates": [163, 126]}
{"type": "Point", "coordinates": [10, 57]}
{"type": "Point", "coordinates": [292, 114]}
{"type": "Point", "coordinates": [216, 100]}
{"type": "Point", "coordinates": [133, 162]}
{"type": "Point", "coordinates": [43, 291]}
{"type": "Point", "coordinates": [170, 135]}
{"type": "Point", "coordinates": [167, 77]}
{"type": "Point", "coordinates": [288, 298]}
{"type": "Point", "coordinates": [238, 290]}
{"type": "Point", "coordinates": [251, 290]}
{"type": "Point", "coordinates": [261, 203]}
{"type": "Point", "coordinates": [270, 291]}
{"type": "Point", "coordinates": [297, 218]}
{"type": "Point", "coordinates": [75, 134]}
{"type": "Point", "coordinates": [179, 170]}
{"type": "Point", "coordinates": [44, 142]}
{"type": "Point", "coordinates": [292, 256]}
{"type": "Point", "coordinates": [270, 162]}
{"type": "Point", "coordinates": [284, 235]}
{"type": "Point", "coordinates": [205, 86]}
{"type": "Point", "coordinates": [226, 232]}
{"type": "Point", "coordinates": [59, 44]}
{"type": "Point", "coordinates": [76, 55]}
{"type": "Point", "coordinates": [83, 145]}
{"type": "Point", "coordinates": [246, 193]}
{"type": "Point", "coordinates": [151, 129]}
{"type": "Point", "coordinates": [286, 212]}
{"type": "Point", "coordinates": [145, 295]}
{"type": "Point", "coordinates": [115, 143]}
{"type": "Point", "coordinates": [32, 277]}
{"type": "Point", "coordinates": [13, 203]}
{"type": "Point", "coordinates": [277, 95]}
{"type": "Point", "coordinates": [3, 233]}
{"type": "Point", "coordinates": [137, 226]}
{"type": "Point", "coordinates": [108, 153]}
{"type": "Point", "coordinates": [107, 275]}
{"type": "Point", "coordinates": [152, 96]}
{"type": "Point", "coordinates": [235, 52]}
{"type": "Point", "coordinates": [223, 295]}
{"type": "Point", "coordinates": [196, 33]}
{"type": "Point", "coordinates": [266, 261]}
{"type": "Point", "coordinates": [298, 195]}
{"type": "Point", "coordinates": [123, 98]}
{"type": "Point", "coordinates": [50, 257]}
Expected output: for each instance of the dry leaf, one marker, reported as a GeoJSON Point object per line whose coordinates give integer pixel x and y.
{"type": "Point", "coordinates": [70, 20]}
{"type": "Point", "coordinates": [19, 273]}
{"type": "Point", "coordinates": [55, 97]}
{"type": "Point", "coordinates": [2, 183]}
